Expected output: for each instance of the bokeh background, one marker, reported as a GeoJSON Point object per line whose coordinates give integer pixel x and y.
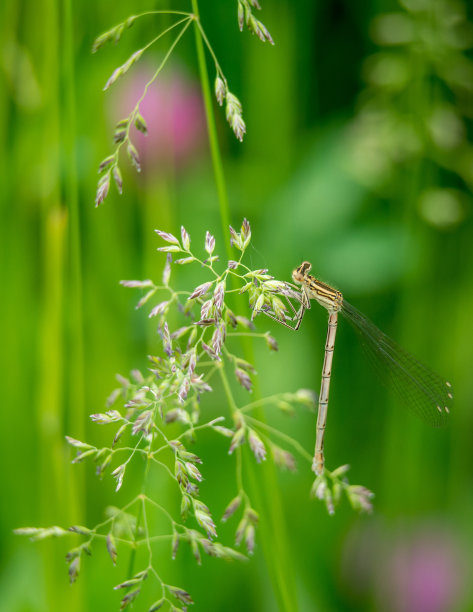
{"type": "Point", "coordinates": [359, 158]}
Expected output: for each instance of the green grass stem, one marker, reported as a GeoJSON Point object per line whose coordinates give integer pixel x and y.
{"type": "Point", "coordinates": [217, 164]}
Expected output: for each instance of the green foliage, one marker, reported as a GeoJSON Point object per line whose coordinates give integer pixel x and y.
{"type": "Point", "coordinates": [414, 108]}
{"type": "Point", "coordinates": [327, 172]}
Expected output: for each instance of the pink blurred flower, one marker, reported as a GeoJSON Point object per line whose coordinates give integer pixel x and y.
{"type": "Point", "coordinates": [421, 568]}
{"type": "Point", "coordinates": [173, 111]}
{"type": "Point", "coordinates": [424, 572]}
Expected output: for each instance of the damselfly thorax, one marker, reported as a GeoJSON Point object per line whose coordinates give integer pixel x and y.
{"type": "Point", "coordinates": [326, 296]}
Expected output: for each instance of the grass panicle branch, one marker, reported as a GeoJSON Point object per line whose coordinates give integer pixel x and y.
{"type": "Point", "coordinates": [147, 408]}
{"type": "Point", "coordinates": [109, 167]}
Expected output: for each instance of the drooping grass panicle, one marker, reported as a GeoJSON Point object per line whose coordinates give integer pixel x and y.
{"type": "Point", "coordinates": [254, 25]}
{"type": "Point", "coordinates": [109, 166]}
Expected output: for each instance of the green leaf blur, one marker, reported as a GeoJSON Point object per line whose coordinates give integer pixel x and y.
{"type": "Point", "coordinates": [357, 156]}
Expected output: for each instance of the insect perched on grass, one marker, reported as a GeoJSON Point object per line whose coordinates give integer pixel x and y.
{"type": "Point", "coordinates": [420, 389]}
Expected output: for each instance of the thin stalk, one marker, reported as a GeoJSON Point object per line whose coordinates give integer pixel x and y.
{"type": "Point", "coordinates": [159, 199]}
{"type": "Point", "coordinates": [52, 471]}
{"type": "Point", "coordinates": [282, 436]}
{"type": "Point", "coordinates": [227, 389]}
{"type": "Point", "coordinates": [139, 515]}
{"type": "Point", "coordinates": [220, 182]}
{"type": "Point", "coordinates": [274, 538]}
{"type": "Point", "coordinates": [50, 359]}
{"type": "Point", "coordinates": [266, 487]}
{"type": "Point", "coordinates": [76, 400]}
{"type": "Point", "coordinates": [265, 490]}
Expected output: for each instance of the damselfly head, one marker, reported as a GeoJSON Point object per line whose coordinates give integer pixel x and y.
{"type": "Point", "coordinates": [299, 273]}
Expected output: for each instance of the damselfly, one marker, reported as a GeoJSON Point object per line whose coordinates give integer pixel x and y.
{"type": "Point", "coordinates": [420, 389]}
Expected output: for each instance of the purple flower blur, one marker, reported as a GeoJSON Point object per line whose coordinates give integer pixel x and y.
{"type": "Point", "coordinates": [424, 572]}
{"type": "Point", "coordinates": [174, 114]}
{"type": "Point", "coordinates": [421, 568]}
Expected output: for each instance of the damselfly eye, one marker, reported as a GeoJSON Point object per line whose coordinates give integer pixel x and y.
{"type": "Point", "coordinates": [298, 273]}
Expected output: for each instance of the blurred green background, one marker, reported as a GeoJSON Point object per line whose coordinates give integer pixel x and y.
{"type": "Point", "coordinates": [358, 157]}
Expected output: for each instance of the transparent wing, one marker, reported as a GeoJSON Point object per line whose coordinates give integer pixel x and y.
{"type": "Point", "coordinates": [421, 390]}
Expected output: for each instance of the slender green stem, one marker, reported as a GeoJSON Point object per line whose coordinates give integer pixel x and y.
{"type": "Point", "coordinates": [145, 523]}
{"type": "Point", "coordinates": [264, 488]}
{"type": "Point", "coordinates": [212, 132]}
{"type": "Point", "coordinates": [52, 479]}
{"type": "Point", "coordinates": [211, 51]}
{"type": "Point", "coordinates": [112, 518]}
{"type": "Point", "coordinates": [239, 472]}
{"type": "Point", "coordinates": [76, 399]}
{"type": "Point", "coordinates": [142, 496]}
{"type": "Point", "coordinates": [156, 538]}
{"type": "Point", "coordinates": [157, 72]}
{"type": "Point", "coordinates": [283, 436]}
{"type": "Point", "coordinates": [273, 530]}
{"type": "Point", "coordinates": [187, 21]}
{"type": "Point", "coordinates": [164, 466]}
{"type": "Point", "coordinates": [159, 507]}
{"type": "Point", "coordinates": [228, 391]}
{"type": "Point", "coordinates": [103, 536]}
{"type": "Point", "coordinates": [270, 399]}
{"type": "Point", "coordinates": [166, 12]}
